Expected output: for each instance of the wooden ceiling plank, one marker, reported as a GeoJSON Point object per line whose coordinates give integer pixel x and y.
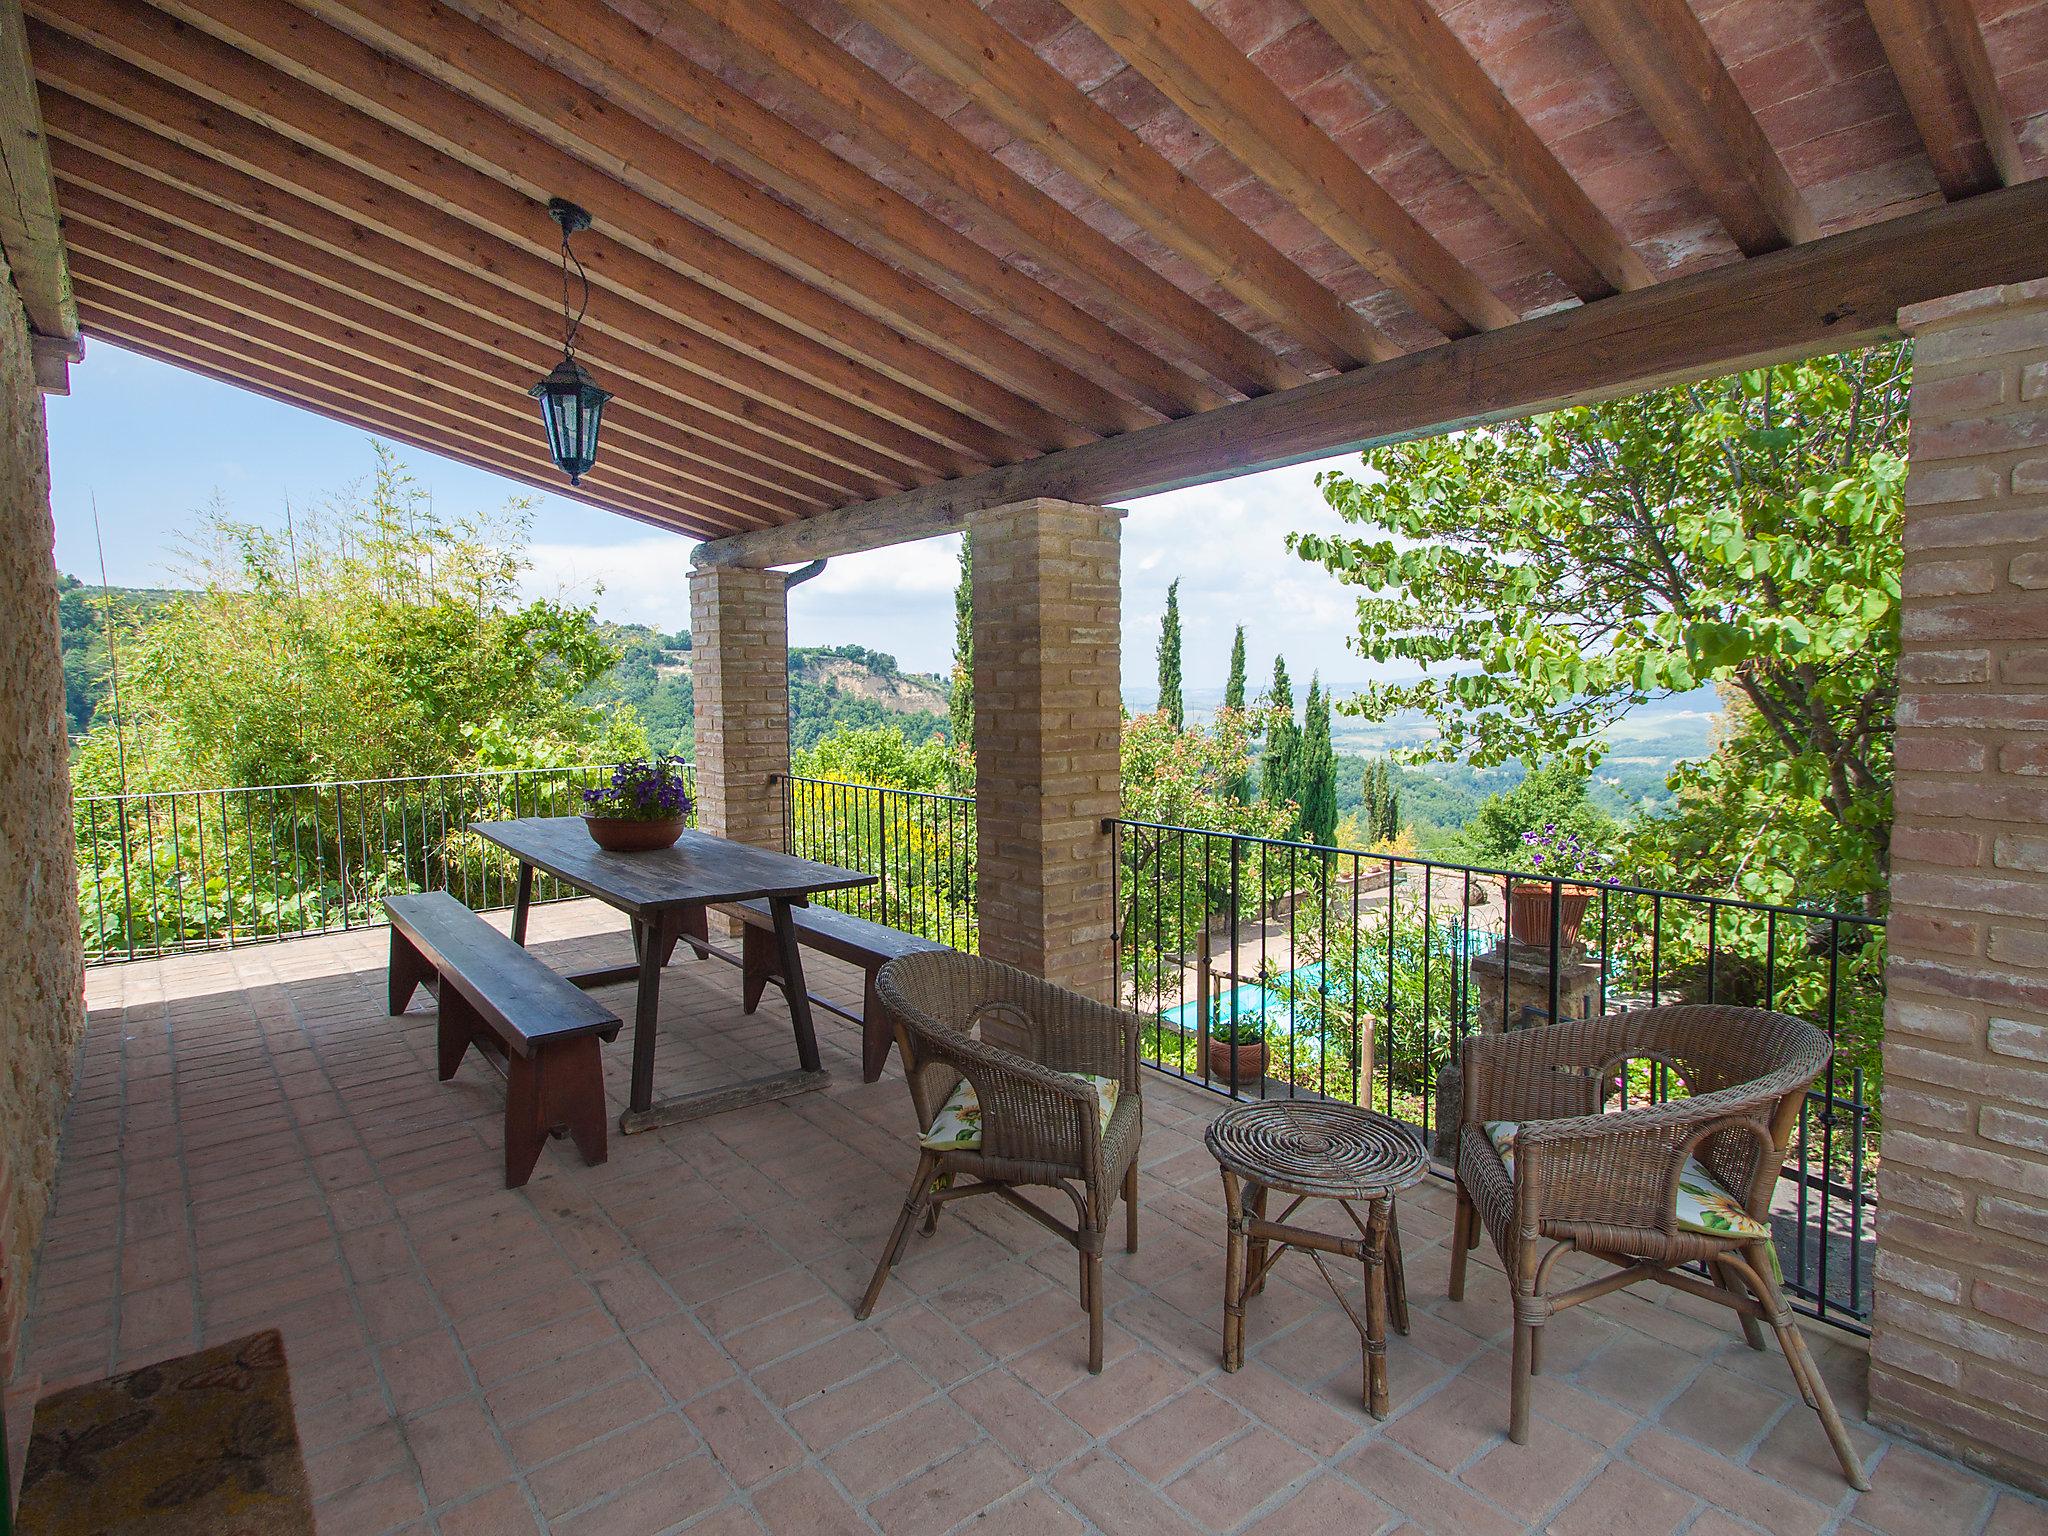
{"type": "Point", "coordinates": [1415, 59]}
{"type": "Point", "coordinates": [481, 223]}
{"type": "Point", "coordinates": [284, 303]}
{"type": "Point", "coordinates": [1189, 59]}
{"type": "Point", "coordinates": [1665, 58]}
{"type": "Point", "coordinates": [228, 367]}
{"type": "Point", "coordinates": [1917, 47]}
{"type": "Point", "coordinates": [961, 44]}
{"type": "Point", "coordinates": [453, 404]}
{"type": "Point", "coordinates": [515, 120]}
{"type": "Point", "coordinates": [611, 55]}
{"type": "Point", "coordinates": [1843, 290]}
{"type": "Point", "coordinates": [30, 232]}
{"type": "Point", "coordinates": [207, 201]}
{"type": "Point", "coordinates": [409, 234]}
{"type": "Point", "coordinates": [762, 37]}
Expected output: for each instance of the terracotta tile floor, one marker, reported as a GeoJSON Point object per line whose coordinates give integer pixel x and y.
{"type": "Point", "coordinates": [666, 1342]}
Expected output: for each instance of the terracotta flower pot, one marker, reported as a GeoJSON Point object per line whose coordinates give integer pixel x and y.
{"type": "Point", "coordinates": [618, 834]}
{"type": "Point", "coordinates": [1529, 908]}
{"type": "Point", "coordinates": [1251, 1061]}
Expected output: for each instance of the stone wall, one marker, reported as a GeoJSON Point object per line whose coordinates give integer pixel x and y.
{"type": "Point", "coordinates": [739, 641]}
{"type": "Point", "coordinates": [1048, 715]}
{"type": "Point", "coordinates": [1960, 1354]}
{"type": "Point", "coordinates": [42, 1010]}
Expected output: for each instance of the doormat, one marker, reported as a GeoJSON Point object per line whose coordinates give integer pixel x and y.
{"type": "Point", "coordinates": [202, 1445]}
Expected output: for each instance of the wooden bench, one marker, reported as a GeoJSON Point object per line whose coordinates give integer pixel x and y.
{"type": "Point", "coordinates": [841, 935]}
{"type": "Point", "coordinates": [542, 1030]}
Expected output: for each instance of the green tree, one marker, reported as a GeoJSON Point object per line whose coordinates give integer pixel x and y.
{"type": "Point", "coordinates": [1280, 766]}
{"type": "Point", "coordinates": [1549, 575]}
{"type": "Point", "coordinates": [1380, 802]}
{"type": "Point", "coordinates": [373, 640]}
{"type": "Point", "coordinates": [1238, 789]}
{"type": "Point", "coordinates": [1553, 796]}
{"type": "Point", "coordinates": [1318, 772]}
{"type": "Point", "coordinates": [1170, 703]}
{"type": "Point", "coordinates": [960, 707]}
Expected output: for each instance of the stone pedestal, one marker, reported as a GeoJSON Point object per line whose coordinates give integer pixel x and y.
{"type": "Point", "coordinates": [1511, 983]}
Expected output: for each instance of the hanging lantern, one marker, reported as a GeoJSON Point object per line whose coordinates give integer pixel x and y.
{"type": "Point", "coordinates": [571, 404]}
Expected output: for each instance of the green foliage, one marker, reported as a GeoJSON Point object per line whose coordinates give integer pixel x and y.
{"type": "Point", "coordinates": [1549, 575]}
{"type": "Point", "coordinates": [1379, 802]}
{"type": "Point", "coordinates": [84, 617]}
{"type": "Point", "coordinates": [372, 640]}
{"type": "Point", "coordinates": [1233, 687]}
{"type": "Point", "coordinates": [960, 707]}
{"type": "Point", "coordinates": [1555, 795]}
{"type": "Point", "coordinates": [878, 754]}
{"type": "Point", "coordinates": [1318, 771]}
{"type": "Point", "coordinates": [1280, 766]}
{"type": "Point", "coordinates": [1170, 703]}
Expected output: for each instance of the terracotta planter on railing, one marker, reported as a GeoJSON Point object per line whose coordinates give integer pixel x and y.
{"type": "Point", "coordinates": [1251, 1062]}
{"type": "Point", "coordinates": [1529, 910]}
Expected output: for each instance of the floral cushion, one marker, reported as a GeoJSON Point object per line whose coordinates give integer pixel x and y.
{"type": "Point", "coordinates": [1704, 1204]}
{"type": "Point", "coordinates": [957, 1126]}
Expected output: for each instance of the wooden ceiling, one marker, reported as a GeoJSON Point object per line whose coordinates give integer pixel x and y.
{"type": "Point", "coordinates": [897, 255]}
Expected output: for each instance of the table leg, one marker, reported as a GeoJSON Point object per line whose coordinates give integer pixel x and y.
{"type": "Point", "coordinates": [1255, 1256]}
{"type": "Point", "coordinates": [793, 976]}
{"type": "Point", "coordinates": [1375, 1256]}
{"type": "Point", "coordinates": [1397, 1273]}
{"type": "Point", "coordinates": [522, 903]}
{"type": "Point", "coordinates": [646, 1011]}
{"type": "Point", "coordinates": [1233, 1271]}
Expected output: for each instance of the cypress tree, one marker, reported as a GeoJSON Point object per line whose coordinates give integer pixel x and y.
{"type": "Point", "coordinates": [960, 707]}
{"type": "Point", "coordinates": [1169, 659]}
{"type": "Point", "coordinates": [1318, 770]}
{"type": "Point", "coordinates": [1233, 690]}
{"type": "Point", "coordinates": [1279, 768]}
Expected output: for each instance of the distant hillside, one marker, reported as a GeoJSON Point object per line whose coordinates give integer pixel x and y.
{"type": "Point", "coordinates": [82, 613]}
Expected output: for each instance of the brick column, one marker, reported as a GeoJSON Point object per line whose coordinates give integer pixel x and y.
{"type": "Point", "coordinates": [739, 669]}
{"type": "Point", "coordinates": [1048, 713]}
{"type": "Point", "coordinates": [1960, 1354]}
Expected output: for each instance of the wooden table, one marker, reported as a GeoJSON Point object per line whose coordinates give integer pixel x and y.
{"type": "Point", "coordinates": [1311, 1150]}
{"type": "Point", "coordinates": [664, 895]}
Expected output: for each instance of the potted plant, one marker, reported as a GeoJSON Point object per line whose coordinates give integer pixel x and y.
{"type": "Point", "coordinates": [1568, 870]}
{"type": "Point", "coordinates": [1247, 1032]}
{"type": "Point", "coordinates": [642, 808]}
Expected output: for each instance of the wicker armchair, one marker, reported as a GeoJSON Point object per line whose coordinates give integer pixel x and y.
{"type": "Point", "coordinates": [1606, 1184]}
{"type": "Point", "coordinates": [1039, 1124]}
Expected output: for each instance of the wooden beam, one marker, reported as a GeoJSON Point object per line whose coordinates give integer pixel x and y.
{"type": "Point", "coordinates": [501, 230]}
{"type": "Point", "coordinates": [289, 313]}
{"type": "Point", "coordinates": [228, 368]}
{"type": "Point", "coordinates": [211, 201]}
{"type": "Point", "coordinates": [509, 115]}
{"type": "Point", "coordinates": [1664, 56]}
{"type": "Point", "coordinates": [1841, 291]}
{"type": "Point", "coordinates": [31, 234]}
{"type": "Point", "coordinates": [1937, 55]}
{"type": "Point", "coordinates": [959, 42]}
{"type": "Point", "coordinates": [622, 63]}
{"type": "Point", "coordinates": [1418, 63]}
{"type": "Point", "coordinates": [253, 351]}
{"type": "Point", "coordinates": [764, 38]}
{"type": "Point", "coordinates": [1184, 54]}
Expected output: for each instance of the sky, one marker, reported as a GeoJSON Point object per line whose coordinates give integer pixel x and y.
{"type": "Point", "coordinates": [151, 446]}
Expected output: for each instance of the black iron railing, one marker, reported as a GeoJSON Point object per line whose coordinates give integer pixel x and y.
{"type": "Point", "coordinates": [173, 870]}
{"type": "Point", "coordinates": [1283, 969]}
{"type": "Point", "coordinates": [919, 845]}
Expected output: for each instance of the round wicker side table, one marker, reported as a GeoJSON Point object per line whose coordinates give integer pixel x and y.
{"type": "Point", "coordinates": [1316, 1151]}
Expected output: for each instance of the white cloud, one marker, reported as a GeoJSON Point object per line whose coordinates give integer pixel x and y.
{"type": "Point", "coordinates": [1225, 542]}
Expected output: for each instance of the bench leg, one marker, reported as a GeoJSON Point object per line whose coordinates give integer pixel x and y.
{"type": "Point", "coordinates": [572, 1094]}
{"type": "Point", "coordinates": [407, 971]}
{"type": "Point", "coordinates": [525, 1128]}
{"type": "Point", "coordinates": [757, 965]}
{"type": "Point", "coordinates": [875, 1035]}
{"type": "Point", "coordinates": [792, 968]}
{"type": "Point", "coordinates": [457, 1030]}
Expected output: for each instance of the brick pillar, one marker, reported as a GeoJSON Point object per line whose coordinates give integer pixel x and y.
{"type": "Point", "coordinates": [739, 668]}
{"type": "Point", "coordinates": [1960, 1354]}
{"type": "Point", "coordinates": [1048, 713]}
